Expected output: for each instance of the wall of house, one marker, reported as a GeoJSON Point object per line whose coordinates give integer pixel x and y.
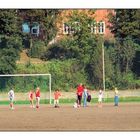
{"type": "Point", "coordinates": [99, 15]}
{"type": "Point", "coordinates": [102, 15]}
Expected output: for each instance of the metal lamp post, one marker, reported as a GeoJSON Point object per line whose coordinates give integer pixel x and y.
{"type": "Point", "coordinates": [103, 63]}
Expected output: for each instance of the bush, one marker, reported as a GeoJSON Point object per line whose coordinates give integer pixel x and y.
{"type": "Point", "coordinates": [130, 82]}
{"type": "Point", "coordinates": [65, 74]}
{"type": "Point", "coordinates": [37, 49]}
{"type": "Point", "coordinates": [61, 50]}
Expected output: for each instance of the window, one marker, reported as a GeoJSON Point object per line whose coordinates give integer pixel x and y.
{"type": "Point", "coordinates": [35, 29]}
{"type": "Point", "coordinates": [25, 27]}
{"type": "Point", "coordinates": [70, 29]}
{"type": "Point", "coordinates": [30, 28]}
{"type": "Point", "coordinates": [101, 27]}
{"type": "Point", "coordinates": [66, 29]}
{"type": "Point", "coordinates": [96, 28]}
{"type": "Point", "coordinates": [93, 28]}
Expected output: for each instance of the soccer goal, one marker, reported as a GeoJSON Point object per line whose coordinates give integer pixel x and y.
{"type": "Point", "coordinates": [24, 82]}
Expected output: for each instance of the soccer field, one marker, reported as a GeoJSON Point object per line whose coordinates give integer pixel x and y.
{"type": "Point", "coordinates": [66, 118]}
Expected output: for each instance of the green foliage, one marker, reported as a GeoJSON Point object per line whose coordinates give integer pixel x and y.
{"type": "Point", "coordinates": [10, 41]}
{"type": "Point", "coordinates": [61, 50]}
{"type": "Point", "coordinates": [9, 22]}
{"type": "Point", "coordinates": [125, 52]}
{"type": "Point", "coordinates": [46, 19]}
{"type": "Point", "coordinates": [82, 37]}
{"type": "Point", "coordinates": [80, 52]}
{"type": "Point", "coordinates": [109, 67]}
{"type": "Point", "coordinates": [24, 84]}
{"type": "Point", "coordinates": [37, 49]}
{"type": "Point", "coordinates": [125, 23]}
{"type": "Point", "coordinates": [47, 23]}
{"type": "Point", "coordinates": [65, 74]}
{"type": "Point", "coordinates": [125, 26]}
{"type": "Point", "coordinates": [95, 68]}
{"type": "Point", "coordinates": [136, 63]}
{"type": "Point", "coordinates": [80, 44]}
{"type": "Point", "coordinates": [10, 48]}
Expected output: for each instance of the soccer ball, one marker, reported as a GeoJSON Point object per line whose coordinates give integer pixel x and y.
{"type": "Point", "coordinates": [75, 105]}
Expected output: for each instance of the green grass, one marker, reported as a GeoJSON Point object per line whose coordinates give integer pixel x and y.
{"type": "Point", "coordinates": [43, 101]}
{"type": "Point", "coordinates": [71, 101]}
{"type": "Point", "coordinates": [121, 99]}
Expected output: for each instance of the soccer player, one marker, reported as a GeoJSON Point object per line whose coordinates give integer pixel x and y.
{"type": "Point", "coordinates": [11, 95]}
{"type": "Point", "coordinates": [100, 97]}
{"type": "Point", "coordinates": [80, 90]}
{"type": "Point", "coordinates": [85, 95]}
{"type": "Point", "coordinates": [37, 94]}
{"type": "Point", "coordinates": [31, 98]}
{"type": "Point", "coordinates": [116, 98]}
{"type": "Point", "coordinates": [57, 94]}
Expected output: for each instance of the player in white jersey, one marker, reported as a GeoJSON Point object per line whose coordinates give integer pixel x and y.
{"type": "Point", "coordinates": [100, 98]}
{"type": "Point", "coordinates": [11, 95]}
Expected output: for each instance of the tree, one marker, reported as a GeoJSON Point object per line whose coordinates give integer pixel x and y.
{"type": "Point", "coordinates": [125, 27]}
{"type": "Point", "coordinates": [125, 23]}
{"type": "Point", "coordinates": [46, 20]}
{"type": "Point", "coordinates": [88, 46]}
{"type": "Point", "coordinates": [84, 40]}
{"type": "Point", "coordinates": [10, 41]}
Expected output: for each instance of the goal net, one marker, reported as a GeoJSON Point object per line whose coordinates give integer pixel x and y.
{"type": "Point", "coordinates": [24, 83]}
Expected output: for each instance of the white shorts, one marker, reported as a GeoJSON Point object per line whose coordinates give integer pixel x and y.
{"type": "Point", "coordinates": [38, 98]}
{"type": "Point", "coordinates": [56, 101]}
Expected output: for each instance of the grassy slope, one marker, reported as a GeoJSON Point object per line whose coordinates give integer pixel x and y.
{"type": "Point", "coordinates": [25, 59]}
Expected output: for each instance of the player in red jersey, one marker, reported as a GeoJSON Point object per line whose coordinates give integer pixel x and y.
{"type": "Point", "coordinates": [80, 90]}
{"type": "Point", "coordinates": [31, 98]}
{"type": "Point", "coordinates": [37, 94]}
{"type": "Point", "coordinates": [57, 94]}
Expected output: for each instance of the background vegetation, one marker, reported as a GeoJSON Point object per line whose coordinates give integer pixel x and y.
{"type": "Point", "coordinates": [76, 58]}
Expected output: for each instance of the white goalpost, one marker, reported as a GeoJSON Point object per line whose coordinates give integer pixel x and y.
{"type": "Point", "coordinates": [32, 75]}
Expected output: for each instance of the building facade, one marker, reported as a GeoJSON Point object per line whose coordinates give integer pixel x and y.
{"type": "Point", "coordinates": [100, 16]}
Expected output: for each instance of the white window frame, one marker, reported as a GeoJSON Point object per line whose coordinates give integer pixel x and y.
{"type": "Point", "coordinates": [101, 27]}
{"type": "Point", "coordinates": [69, 28]}
{"type": "Point", "coordinates": [94, 28]}
{"type": "Point", "coordinates": [66, 28]}
{"type": "Point", "coordinates": [97, 28]}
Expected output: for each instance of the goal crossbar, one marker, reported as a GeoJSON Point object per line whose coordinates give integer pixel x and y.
{"type": "Point", "coordinates": [13, 75]}
{"type": "Point", "coordinates": [22, 75]}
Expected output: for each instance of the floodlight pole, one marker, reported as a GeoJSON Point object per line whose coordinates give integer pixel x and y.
{"type": "Point", "coordinates": [103, 63]}
{"type": "Point", "coordinates": [50, 88]}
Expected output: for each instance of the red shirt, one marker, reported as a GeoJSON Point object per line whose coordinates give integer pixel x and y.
{"type": "Point", "coordinates": [80, 90]}
{"type": "Point", "coordinates": [56, 95]}
{"type": "Point", "coordinates": [37, 93]}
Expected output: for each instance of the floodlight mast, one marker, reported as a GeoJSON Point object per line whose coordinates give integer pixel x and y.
{"type": "Point", "coordinates": [17, 75]}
